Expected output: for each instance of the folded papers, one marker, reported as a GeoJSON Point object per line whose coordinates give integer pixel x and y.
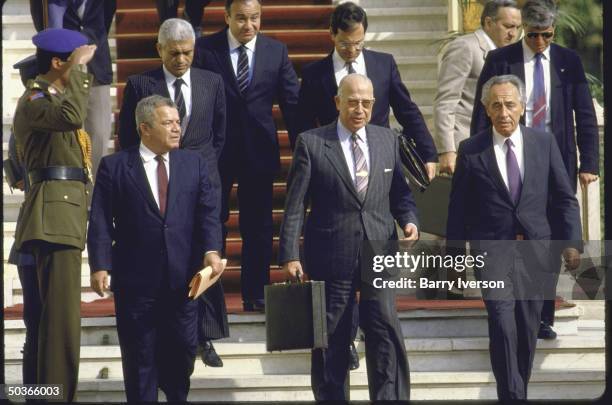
{"type": "Point", "coordinates": [202, 280]}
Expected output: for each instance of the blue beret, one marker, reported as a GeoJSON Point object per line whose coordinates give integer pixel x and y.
{"type": "Point", "coordinates": [59, 40]}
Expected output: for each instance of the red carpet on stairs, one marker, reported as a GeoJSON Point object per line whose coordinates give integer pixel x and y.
{"type": "Point", "coordinates": [105, 306]}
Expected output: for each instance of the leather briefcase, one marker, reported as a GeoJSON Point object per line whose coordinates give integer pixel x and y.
{"type": "Point", "coordinates": [295, 316]}
{"type": "Point", "coordinates": [432, 205]}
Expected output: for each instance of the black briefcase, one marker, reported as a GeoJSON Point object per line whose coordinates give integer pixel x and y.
{"type": "Point", "coordinates": [432, 205]}
{"type": "Point", "coordinates": [295, 316]}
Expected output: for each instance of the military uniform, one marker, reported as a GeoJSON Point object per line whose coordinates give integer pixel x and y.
{"type": "Point", "coordinates": [53, 217]}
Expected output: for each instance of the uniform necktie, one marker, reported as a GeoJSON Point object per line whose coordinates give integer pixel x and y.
{"type": "Point", "coordinates": [361, 168]}
{"type": "Point", "coordinates": [178, 98]}
{"type": "Point", "coordinates": [242, 75]}
{"type": "Point", "coordinates": [162, 184]}
{"type": "Point", "coordinates": [514, 175]}
{"type": "Point", "coordinates": [350, 68]}
{"type": "Point", "coordinates": [538, 119]}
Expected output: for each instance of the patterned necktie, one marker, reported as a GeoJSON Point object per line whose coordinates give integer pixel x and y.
{"type": "Point", "coordinates": [350, 68]}
{"type": "Point", "coordinates": [514, 175]}
{"type": "Point", "coordinates": [538, 119]}
{"type": "Point", "coordinates": [242, 75]}
{"type": "Point", "coordinates": [361, 168]}
{"type": "Point", "coordinates": [178, 98]}
{"type": "Point", "coordinates": [162, 184]}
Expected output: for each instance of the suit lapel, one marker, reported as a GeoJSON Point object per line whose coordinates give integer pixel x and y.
{"type": "Point", "coordinates": [222, 53]}
{"type": "Point", "coordinates": [335, 155]}
{"type": "Point", "coordinates": [328, 77]}
{"type": "Point", "coordinates": [258, 63]}
{"type": "Point", "coordinates": [490, 163]}
{"type": "Point", "coordinates": [530, 161]}
{"type": "Point", "coordinates": [195, 89]}
{"type": "Point", "coordinates": [556, 89]}
{"type": "Point", "coordinates": [139, 178]}
{"type": "Point", "coordinates": [375, 169]}
{"type": "Point", "coordinates": [158, 84]}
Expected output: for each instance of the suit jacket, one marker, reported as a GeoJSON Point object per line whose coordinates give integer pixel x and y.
{"type": "Point", "coordinates": [45, 123]}
{"type": "Point", "coordinates": [250, 125]}
{"type": "Point", "coordinates": [569, 95]}
{"type": "Point", "coordinates": [459, 71]}
{"type": "Point", "coordinates": [129, 237]}
{"type": "Point", "coordinates": [480, 206]}
{"type": "Point", "coordinates": [94, 26]}
{"type": "Point", "coordinates": [317, 107]}
{"type": "Point", "coordinates": [338, 221]}
{"type": "Point", "coordinates": [205, 131]}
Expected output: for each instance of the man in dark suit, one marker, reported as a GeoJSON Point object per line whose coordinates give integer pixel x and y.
{"type": "Point", "coordinates": [320, 80]}
{"type": "Point", "coordinates": [557, 92]}
{"type": "Point", "coordinates": [154, 222]}
{"type": "Point", "coordinates": [201, 103]}
{"type": "Point", "coordinates": [507, 180]}
{"type": "Point", "coordinates": [351, 173]}
{"type": "Point", "coordinates": [256, 71]}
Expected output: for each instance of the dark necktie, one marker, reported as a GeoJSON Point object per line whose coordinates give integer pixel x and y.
{"type": "Point", "coordinates": [162, 184]}
{"type": "Point", "coordinates": [538, 119]}
{"type": "Point", "coordinates": [242, 74]}
{"type": "Point", "coordinates": [350, 68]}
{"type": "Point", "coordinates": [361, 167]}
{"type": "Point", "coordinates": [178, 98]}
{"type": "Point", "coordinates": [514, 175]}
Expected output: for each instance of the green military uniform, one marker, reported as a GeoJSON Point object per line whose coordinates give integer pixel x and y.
{"type": "Point", "coordinates": [53, 219]}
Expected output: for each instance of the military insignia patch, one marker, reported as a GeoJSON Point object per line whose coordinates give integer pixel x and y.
{"type": "Point", "coordinates": [36, 95]}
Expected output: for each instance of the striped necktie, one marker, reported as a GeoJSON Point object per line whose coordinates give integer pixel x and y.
{"type": "Point", "coordinates": [178, 98]}
{"type": "Point", "coordinates": [349, 68]}
{"type": "Point", "coordinates": [361, 167]}
{"type": "Point", "coordinates": [538, 119]}
{"type": "Point", "coordinates": [242, 75]}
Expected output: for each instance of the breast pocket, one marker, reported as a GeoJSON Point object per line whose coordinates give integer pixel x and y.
{"type": "Point", "coordinates": [64, 210]}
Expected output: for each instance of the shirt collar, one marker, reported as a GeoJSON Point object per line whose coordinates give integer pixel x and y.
{"type": "Point", "coordinates": [500, 140]}
{"type": "Point", "coordinates": [147, 154]}
{"type": "Point", "coordinates": [170, 78]}
{"type": "Point", "coordinates": [234, 44]}
{"type": "Point", "coordinates": [489, 40]}
{"type": "Point", "coordinates": [528, 54]}
{"type": "Point", "coordinates": [344, 133]}
{"type": "Point", "coordinates": [340, 64]}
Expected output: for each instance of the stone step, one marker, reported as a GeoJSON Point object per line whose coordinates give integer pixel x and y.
{"type": "Point", "coordinates": [431, 354]}
{"type": "Point", "coordinates": [553, 384]}
{"type": "Point", "coordinates": [407, 19]}
{"type": "Point", "coordinates": [145, 4]}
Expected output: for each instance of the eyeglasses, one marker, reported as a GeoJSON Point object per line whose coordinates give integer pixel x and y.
{"type": "Point", "coordinates": [353, 103]}
{"type": "Point", "coordinates": [545, 35]}
{"type": "Point", "coordinates": [346, 45]}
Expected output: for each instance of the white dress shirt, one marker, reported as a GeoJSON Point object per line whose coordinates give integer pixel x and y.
{"type": "Point", "coordinates": [341, 70]}
{"type": "Point", "coordinates": [529, 61]}
{"type": "Point", "coordinates": [500, 148]}
{"type": "Point", "coordinates": [150, 166]}
{"type": "Point", "coordinates": [347, 147]}
{"type": "Point", "coordinates": [185, 89]}
{"type": "Point", "coordinates": [235, 53]}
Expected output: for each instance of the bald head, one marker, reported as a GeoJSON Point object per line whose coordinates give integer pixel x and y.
{"type": "Point", "coordinates": [354, 101]}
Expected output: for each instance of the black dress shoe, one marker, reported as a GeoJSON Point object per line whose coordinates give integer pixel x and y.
{"type": "Point", "coordinates": [354, 357]}
{"type": "Point", "coordinates": [546, 332]}
{"type": "Point", "coordinates": [210, 356]}
{"type": "Point", "coordinates": [254, 306]}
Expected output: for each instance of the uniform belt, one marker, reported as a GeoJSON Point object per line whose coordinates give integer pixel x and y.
{"type": "Point", "coordinates": [57, 173]}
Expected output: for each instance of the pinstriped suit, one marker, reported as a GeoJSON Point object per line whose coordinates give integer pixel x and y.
{"type": "Point", "coordinates": [336, 227]}
{"type": "Point", "coordinates": [205, 133]}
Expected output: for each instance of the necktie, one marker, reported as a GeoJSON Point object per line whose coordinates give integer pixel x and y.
{"type": "Point", "coordinates": [514, 175]}
{"type": "Point", "coordinates": [162, 184]}
{"type": "Point", "coordinates": [538, 119]}
{"type": "Point", "coordinates": [361, 168]}
{"type": "Point", "coordinates": [178, 98]}
{"type": "Point", "coordinates": [242, 74]}
{"type": "Point", "coordinates": [350, 68]}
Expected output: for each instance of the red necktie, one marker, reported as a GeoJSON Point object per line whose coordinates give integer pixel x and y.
{"type": "Point", "coordinates": [162, 184]}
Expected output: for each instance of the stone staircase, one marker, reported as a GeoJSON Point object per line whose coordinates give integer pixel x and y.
{"type": "Point", "coordinates": [447, 348]}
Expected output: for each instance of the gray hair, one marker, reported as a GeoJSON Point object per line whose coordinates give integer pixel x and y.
{"type": "Point", "coordinates": [492, 8]}
{"type": "Point", "coordinates": [350, 77]}
{"type": "Point", "coordinates": [145, 109]}
{"type": "Point", "coordinates": [175, 29]}
{"type": "Point", "coordinates": [512, 79]}
{"type": "Point", "coordinates": [539, 13]}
